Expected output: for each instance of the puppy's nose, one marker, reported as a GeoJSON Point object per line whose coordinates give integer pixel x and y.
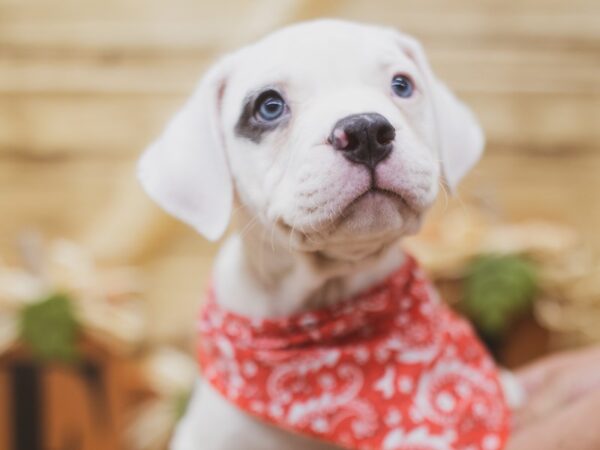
{"type": "Point", "coordinates": [363, 138]}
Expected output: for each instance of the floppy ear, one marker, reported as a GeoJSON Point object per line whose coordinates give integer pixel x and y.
{"type": "Point", "coordinates": [185, 170]}
{"type": "Point", "coordinates": [460, 139]}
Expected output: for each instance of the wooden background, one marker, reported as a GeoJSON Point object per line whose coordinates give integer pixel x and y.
{"type": "Point", "coordinates": [84, 85]}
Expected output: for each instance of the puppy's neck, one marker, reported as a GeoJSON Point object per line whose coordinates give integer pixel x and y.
{"type": "Point", "coordinates": [259, 275]}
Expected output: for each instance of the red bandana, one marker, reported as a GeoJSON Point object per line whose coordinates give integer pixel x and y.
{"type": "Point", "coordinates": [393, 368]}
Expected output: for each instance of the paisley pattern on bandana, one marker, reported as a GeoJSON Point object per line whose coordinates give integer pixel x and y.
{"type": "Point", "coordinates": [391, 369]}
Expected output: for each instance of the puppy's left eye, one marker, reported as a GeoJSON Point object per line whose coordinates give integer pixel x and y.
{"type": "Point", "coordinates": [402, 86]}
{"type": "Point", "coordinates": [270, 106]}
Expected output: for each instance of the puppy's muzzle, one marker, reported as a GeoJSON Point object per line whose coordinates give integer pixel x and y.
{"type": "Point", "coordinates": [365, 138]}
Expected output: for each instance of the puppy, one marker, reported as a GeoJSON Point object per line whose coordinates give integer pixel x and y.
{"type": "Point", "coordinates": [327, 141]}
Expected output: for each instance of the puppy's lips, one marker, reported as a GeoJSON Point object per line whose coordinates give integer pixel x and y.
{"type": "Point", "coordinates": [374, 190]}
{"type": "Point", "coordinates": [372, 194]}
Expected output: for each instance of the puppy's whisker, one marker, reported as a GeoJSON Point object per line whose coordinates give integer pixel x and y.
{"type": "Point", "coordinates": [444, 189]}
{"type": "Point", "coordinates": [463, 205]}
{"type": "Point", "coordinates": [273, 226]}
{"type": "Point", "coordinates": [237, 209]}
{"type": "Point", "coordinates": [291, 235]}
{"type": "Point", "coordinates": [249, 226]}
{"type": "Point", "coordinates": [334, 212]}
{"type": "Point", "coordinates": [307, 236]}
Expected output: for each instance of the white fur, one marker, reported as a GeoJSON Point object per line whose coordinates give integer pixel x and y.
{"type": "Point", "coordinates": [185, 169]}
{"type": "Point", "coordinates": [310, 234]}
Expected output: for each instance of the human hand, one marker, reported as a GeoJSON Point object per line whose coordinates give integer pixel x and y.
{"type": "Point", "coordinates": [562, 409]}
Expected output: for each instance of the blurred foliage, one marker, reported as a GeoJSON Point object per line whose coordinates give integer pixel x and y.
{"type": "Point", "coordinates": [49, 327]}
{"type": "Point", "coordinates": [182, 400]}
{"type": "Point", "coordinates": [499, 289]}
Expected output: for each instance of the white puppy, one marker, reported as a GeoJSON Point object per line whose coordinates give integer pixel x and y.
{"type": "Point", "coordinates": [329, 141]}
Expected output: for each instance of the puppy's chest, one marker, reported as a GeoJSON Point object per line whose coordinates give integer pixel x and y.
{"type": "Point", "coordinates": [393, 368]}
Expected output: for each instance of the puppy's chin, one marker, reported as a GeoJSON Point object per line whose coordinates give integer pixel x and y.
{"type": "Point", "coordinates": [372, 214]}
{"type": "Point", "coordinates": [368, 224]}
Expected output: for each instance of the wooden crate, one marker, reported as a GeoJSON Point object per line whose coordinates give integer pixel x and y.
{"type": "Point", "coordinates": [86, 406]}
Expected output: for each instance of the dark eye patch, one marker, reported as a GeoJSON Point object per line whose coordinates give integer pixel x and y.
{"type": "Point", "coordinates": [251, 124]}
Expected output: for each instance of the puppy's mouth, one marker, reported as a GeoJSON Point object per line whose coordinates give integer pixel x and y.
{"type": "Point", "coordinates": [373, 211]}
{"type": "Point", "coordinates": [372, 218]}
{"type": "Point", "coordinates": [375, 191]}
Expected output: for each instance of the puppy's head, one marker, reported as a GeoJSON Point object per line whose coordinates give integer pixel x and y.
{"type": "Point", "coordinates": [331, 133]}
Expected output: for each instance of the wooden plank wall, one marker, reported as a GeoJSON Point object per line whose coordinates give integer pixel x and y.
{"type": "Point", "coordinates": [85, 85]}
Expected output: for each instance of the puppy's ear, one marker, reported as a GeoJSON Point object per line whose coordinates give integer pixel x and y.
{"type": "Point", "coordinates": [460, 138]}
{"type": "Point", "coordinates": [185, 170]}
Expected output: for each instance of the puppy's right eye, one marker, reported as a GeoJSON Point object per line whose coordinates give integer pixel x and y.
{"type": "Point", "coordinates": [270, 106]}
{"type": "Point", "coordinates": [402, 86]}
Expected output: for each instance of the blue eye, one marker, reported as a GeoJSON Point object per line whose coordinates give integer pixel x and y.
{"type": "Point", "coordinates": [270, 106]}
{"type": "Point", "coordinates": [402, 86]}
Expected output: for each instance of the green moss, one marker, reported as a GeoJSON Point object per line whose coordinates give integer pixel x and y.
{"type": "Point", "coordinates": [182, 399]}
{"type": "Point", "coordinates": [498, 290]}
{"type": "Point", "coordinates": [50, 329]}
